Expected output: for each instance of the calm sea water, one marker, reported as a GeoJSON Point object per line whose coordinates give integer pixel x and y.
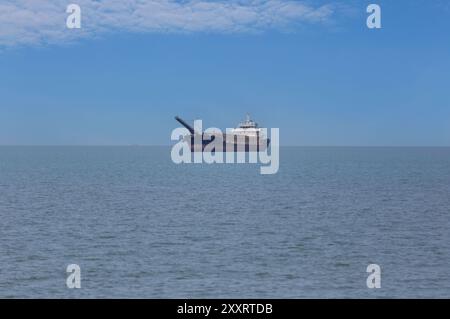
{"type": "Point", "coordinates": [140, 226]}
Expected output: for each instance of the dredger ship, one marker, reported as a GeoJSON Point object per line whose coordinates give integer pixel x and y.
{"type": "Point", "coordinates": [246, 137]}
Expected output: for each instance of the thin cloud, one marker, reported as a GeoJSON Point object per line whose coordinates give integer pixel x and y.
{"type": "Point", "coordinates": [36, 22]}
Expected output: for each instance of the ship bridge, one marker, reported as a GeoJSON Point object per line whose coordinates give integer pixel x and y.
{"type": "Point", "coordinates": [248, 127]}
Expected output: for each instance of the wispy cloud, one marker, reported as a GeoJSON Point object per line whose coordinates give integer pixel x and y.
{"type": "Point", "coordinates": [34, 22]}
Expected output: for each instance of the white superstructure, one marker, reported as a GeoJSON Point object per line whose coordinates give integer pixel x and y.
{"type": "Point", "coordinates": [248, 128]}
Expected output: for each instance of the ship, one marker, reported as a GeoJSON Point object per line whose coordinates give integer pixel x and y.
{"type": "Point", "coordinates": [246, 137]}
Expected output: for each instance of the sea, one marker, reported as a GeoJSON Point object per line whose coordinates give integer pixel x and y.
{"type": "Point", "coordinates": [140, 226]}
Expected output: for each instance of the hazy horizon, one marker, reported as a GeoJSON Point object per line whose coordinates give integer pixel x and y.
{"type": "Point", "coordinates": [170, 145]}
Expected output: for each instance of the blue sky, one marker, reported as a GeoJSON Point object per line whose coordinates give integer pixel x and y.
{"type": "Point", "coordinates": [312, 68]}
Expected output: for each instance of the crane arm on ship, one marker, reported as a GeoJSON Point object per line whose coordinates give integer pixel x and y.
{"type": "Point", "coordinates": [182, 122]}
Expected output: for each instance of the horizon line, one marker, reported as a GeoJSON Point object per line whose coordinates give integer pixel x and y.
{"type": "Point", "coordinates": [165, 145]}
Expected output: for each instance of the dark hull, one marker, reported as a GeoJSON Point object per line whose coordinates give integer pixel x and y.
{"type": "Point", "coordinates": [229, 146]}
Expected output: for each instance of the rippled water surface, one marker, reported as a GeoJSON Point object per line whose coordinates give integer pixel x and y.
{"type": "Point", "coordinates": [140, 226]}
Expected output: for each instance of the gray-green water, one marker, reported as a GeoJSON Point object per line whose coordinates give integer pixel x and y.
{"type": "Point", "coordinates": [140, 226]}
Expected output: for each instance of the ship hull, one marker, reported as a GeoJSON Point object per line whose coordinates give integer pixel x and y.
{"type": "Point", "coordinates": [229, 144]}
